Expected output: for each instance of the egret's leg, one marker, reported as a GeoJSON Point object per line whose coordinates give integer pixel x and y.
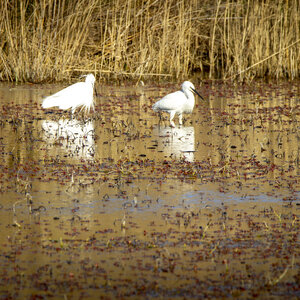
{"type": "Point", "coordinates": [160, 117]}
{"type": "Point", "coordinates": [180, 119]}
{"type": "Point", "coordinates": [172, 115]}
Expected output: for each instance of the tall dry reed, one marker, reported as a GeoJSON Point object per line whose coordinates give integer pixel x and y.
{"type": "Point", "coordinates": [174, 39]}
{"type": "Point", "coordinates": [145, 38]}
{"type": "Point", "coordinates": [260, 39]}
{"type": "Point", "coordinates": [42, 40]}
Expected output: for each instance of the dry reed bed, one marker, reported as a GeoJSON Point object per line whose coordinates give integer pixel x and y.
{"type": "Point", "coordinates": [54, 40]}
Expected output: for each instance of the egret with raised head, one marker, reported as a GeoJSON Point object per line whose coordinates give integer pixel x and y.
{"type": "Point", "coordinates": [74, 96]}
{"type": "Point", "coordinates": [179, 102]}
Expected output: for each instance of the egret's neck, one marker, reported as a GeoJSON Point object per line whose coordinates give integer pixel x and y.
{"type": "Point", "coordinates": [190, 96]}
{"type": "Point", "coordinates": [189, 104]}
{"type": "Point", "coordinates": [92, 83]}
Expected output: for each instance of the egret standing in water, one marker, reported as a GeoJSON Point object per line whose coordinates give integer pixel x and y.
{"type": "Point", "coordinates": [179, 102]}
{"type": "Point", "coordinates": [74, 96]}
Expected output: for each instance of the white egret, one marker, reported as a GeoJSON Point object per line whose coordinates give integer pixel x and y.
{"type": "Point", "coordinates": [179, 102]}
{"type": "Point", "coordinates": [74, 96]}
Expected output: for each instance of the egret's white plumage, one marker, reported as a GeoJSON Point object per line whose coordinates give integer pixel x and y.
{"type": "Point", "coordinates": [74, 96]}
{"type": "Point", "coordinates": [179, 102]}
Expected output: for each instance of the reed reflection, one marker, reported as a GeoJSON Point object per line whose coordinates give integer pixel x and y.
{"type": "Point", "coordinates": [76, 137]}
{"type": "Point", "coordinates": [178, 142]}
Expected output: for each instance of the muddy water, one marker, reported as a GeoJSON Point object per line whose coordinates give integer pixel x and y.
{"type": "Point", "coordinates": [119, 205]}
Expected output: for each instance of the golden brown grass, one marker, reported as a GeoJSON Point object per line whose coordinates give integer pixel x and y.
{"type": "Point", "coordinates": [262, 38]}
{"type": "Point", "coordinates": [42, 40]}
{"type": "Point", "coordinates": [54, 40]}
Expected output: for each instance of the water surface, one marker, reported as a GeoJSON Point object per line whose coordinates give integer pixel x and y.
{"type": "Point", "coordinates": [118, 204]}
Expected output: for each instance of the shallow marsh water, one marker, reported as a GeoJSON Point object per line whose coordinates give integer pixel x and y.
{"type": "Point", "coordinates": [116, 205]}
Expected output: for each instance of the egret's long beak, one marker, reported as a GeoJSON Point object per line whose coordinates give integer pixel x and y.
{"type": "Point", "coordinates": [193, 90]}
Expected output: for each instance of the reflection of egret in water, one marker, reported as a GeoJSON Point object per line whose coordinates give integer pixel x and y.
{"type": "Point", "coordinates": [77, 137]}
{"type": "Point", "coordinates": [176, 142]}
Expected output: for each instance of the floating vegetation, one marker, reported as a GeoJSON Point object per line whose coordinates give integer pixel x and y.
{"type": "Point", "coordinates": [111, 205]}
